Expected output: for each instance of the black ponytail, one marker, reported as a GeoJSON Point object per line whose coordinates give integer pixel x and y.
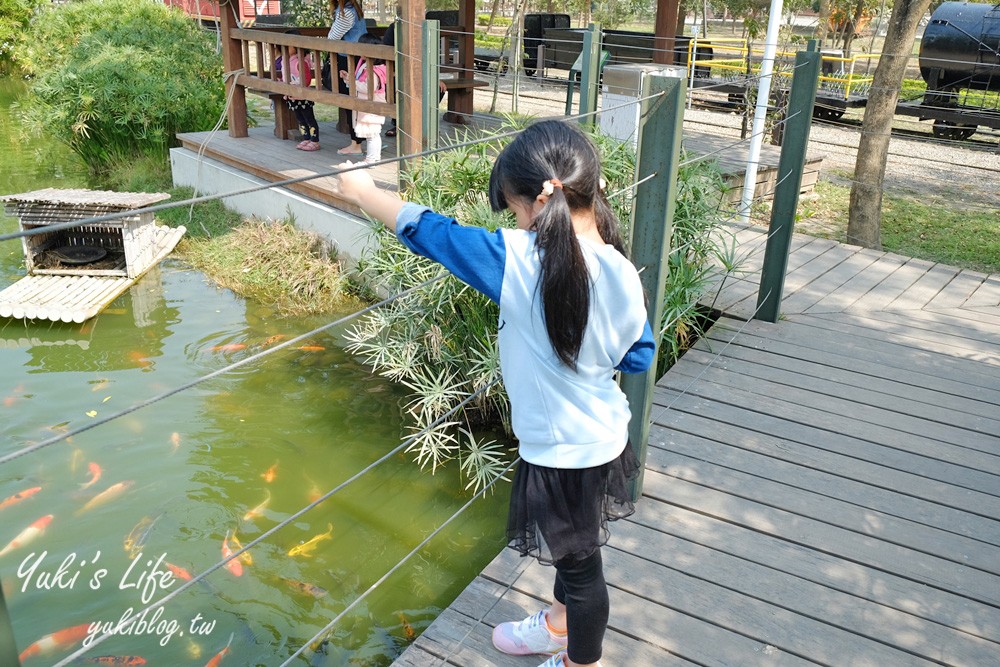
{"type": "Point", "coordinates": [555, 151]}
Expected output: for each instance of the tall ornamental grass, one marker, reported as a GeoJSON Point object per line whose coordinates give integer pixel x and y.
{"type": "Point", "coordinates": [440, 340]}
{"type": "Point", "coordinates": [117, 78]}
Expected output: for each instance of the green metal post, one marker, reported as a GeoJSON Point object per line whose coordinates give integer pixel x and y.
{"type": "Point", "coordinates": [786, 195]}
{"type": "Point", "coordinates": [430, 65]}
{"type": "Point", "coordinates": [659, 157]}
{"type": "Point", "coordinates": [590, 72]}
{"type": "Point", "coordinates": [8, 649]}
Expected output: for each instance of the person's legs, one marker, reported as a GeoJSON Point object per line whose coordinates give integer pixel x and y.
{"type": "Point", "coordinates": [581, 606]}
{"type": "Point", "coordinates": [374, 148]}
{"type": "Point", "coordinates": [309, 114]}
{"type": "Point", "coordinates": [344, 89]}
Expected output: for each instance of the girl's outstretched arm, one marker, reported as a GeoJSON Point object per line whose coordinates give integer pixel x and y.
{"type": "Point", "coordinates": [358, 188]}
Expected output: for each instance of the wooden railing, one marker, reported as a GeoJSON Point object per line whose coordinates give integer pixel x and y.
{"type": "Point", "coordinates": [250, 54]}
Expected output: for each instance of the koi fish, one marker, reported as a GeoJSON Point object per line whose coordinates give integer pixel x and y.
{"type": "Point", "coordinates": [95, 472]}
{"type": "Point", "coordinates": [18, 497]}
{"type": "Point", "coordinates": [256, 511]}
{"type": "Point", "coordinates": [100, 384]}
{"type": "Point", "coordinates": [234, 565]}
{"type": "Point", "coordinates": [129, 660]}
{"type": "Point", "coordinates": [270, 474]}
{"type": "Point", "coordinates": [139, 359]}
{"type": "Point", "coordinates": [307, 548]}
{"type": "Point", "coordinates": [305, 587]}
{"type": "Point", "coordinates": [311, 348]}
{"type": "Point", "coordinates": [179, 572]}
{"type": "Point", "coordinates": [175, 441]}
{"type": "Point", "coordinates": [229, 347]}
{"type": "Point", "coordinates": [271, 340]}
{"type": "Point", "coordinates": [27, 535]}
{"type": "Point", "coordinates": [139, 535]}
{"type": "Point", "coordinates": [217, 658]}
{"type": "Point", "coordinates": [193, 649]}
{"type": "Point", "coordinates": [245, 556]}
{"type": "Point", "coordinates": [408, 630]}
{"type": "Point", "coordinates": [60, 640]}
{"type": "Point", "coordinates": [106, 495]}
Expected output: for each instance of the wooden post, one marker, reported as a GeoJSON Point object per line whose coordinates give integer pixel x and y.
{"type": "Point", "coordinates": [590, 72]}
{"type": "Point", "coordinates": [410, 134]}
{"type": "Point", "coordinates": [232, 60]}
{"type": "Point", "coordinates": [431, 67]}
{"type": "Point", "coordinates": [798, 121]}
{"type": "Point", "coordinates": [666, 24]}
{"type": "Point", "coordinates": [8, 649]}
{"type": "Point", "coordinates": [659, 156]}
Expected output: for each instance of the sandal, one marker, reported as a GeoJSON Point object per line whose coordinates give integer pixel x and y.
{"type": "Point", "coordinates": [391, 132]}
{"type": "Point", "coordinates": [309, 146]}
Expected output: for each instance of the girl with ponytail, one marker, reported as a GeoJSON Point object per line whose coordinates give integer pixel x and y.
{"type": "Point", "coordinates": [572, 312]}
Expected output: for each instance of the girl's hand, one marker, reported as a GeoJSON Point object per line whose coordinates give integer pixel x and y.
{"type": "Point", "coordinates": [355, 186]}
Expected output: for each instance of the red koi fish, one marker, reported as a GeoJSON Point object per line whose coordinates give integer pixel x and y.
{"type": "Point", "coordinates": [18, 497]}
{"type": "Point", "coordinates": [95, 474]}
{"type": "Point", "coordinates": [230, 347]}
{"type": "Point", "coordinates": [311, 348]}
{"type": "Point", "coordinates": [60, 640]}
{"type": "Point", "coordinates": [179, 571]}
{"type": "Point", "coordinates": [129, 660]}
{"type": "Point", "coordinates": [217, 658]}
{"type": "Point", "coordinates": [234, 565]}
{"type": "Point", "coordinates": [27, 535]}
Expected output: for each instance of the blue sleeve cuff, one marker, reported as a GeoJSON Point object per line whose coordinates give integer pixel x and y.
{"type": "Point", "coordinates": [408, 215]}
{"type": "Point", "coordinates": [641, 355]}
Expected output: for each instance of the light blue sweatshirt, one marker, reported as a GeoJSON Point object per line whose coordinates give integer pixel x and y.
{"type": "Point", "coordinates": [561, 417]}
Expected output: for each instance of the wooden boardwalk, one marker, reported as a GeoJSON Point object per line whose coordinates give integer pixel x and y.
{"type": "Point", "coordinates": [820, 491]}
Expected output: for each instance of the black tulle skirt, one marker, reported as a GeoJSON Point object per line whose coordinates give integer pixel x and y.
{"type": "Point", "coordinates": [557, 513]}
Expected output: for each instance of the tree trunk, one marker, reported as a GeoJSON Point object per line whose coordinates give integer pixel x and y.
{"type": "Point", "coordinates": [823, 22]}
{"type": "Point", "coordinates": [864, 224]}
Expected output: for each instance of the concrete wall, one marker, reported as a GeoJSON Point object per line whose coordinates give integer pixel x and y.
{"type": "Point", "coordinates": [350, 235]}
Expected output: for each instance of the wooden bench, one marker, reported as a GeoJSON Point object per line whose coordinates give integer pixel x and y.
{"type": "Point", "coordinates": [460, 99]}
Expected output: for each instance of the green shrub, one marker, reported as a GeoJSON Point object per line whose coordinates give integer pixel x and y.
{"type": "Point", "coordinates": [14, 18]}
{"type": "Point", "coordinates": [116, 78]}
{"type": "Point", "coordinates": [440, 341]}
{"type": "Point", "coordinates": [498, 21]}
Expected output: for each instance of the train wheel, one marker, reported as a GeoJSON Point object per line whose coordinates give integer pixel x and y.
{"type": "Point", "coordinates": [945, 129]}
{"type": "Point", "coordinates": [823, 112]}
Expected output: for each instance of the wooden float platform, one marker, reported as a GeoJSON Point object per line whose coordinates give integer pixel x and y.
{"type": "Point", "coordinates": [820, 491]}
{"type": "Point", "coordinates": [77, 298]}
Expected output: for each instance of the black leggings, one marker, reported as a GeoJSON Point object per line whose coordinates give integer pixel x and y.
{"type": "Point", "coordinates": [306, 117]}
{"type": "Point", "coordinates": [580, 586]}
{"type": "Point", "coordinates": [344, 89]}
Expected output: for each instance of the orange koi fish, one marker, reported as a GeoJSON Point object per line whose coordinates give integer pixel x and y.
{"type": "Point", "coordinates": [129, 660]}
{"type": "Point", "coordinates": [106, 495]}
{"type": "Point", "coordinates": [306, 548]}
{"type": "Point", "coordinates": [179, 572]}
{"type": "Point", "coordinates": [95, 472]}
{"type": "Point", "coordinates": [214, 662]}
{"type": "Point", "coordinates": [271, 340]}
{"type": "Point", "coordinates": [311, 348]}
{"type": "Point", "coordinates": [270, 474]}
{"type": "Point", "coordinates": [175, 441]}
{"type": "Point", "coordinates": [99, 385]}
{"type": "Point", "coordinates": [252, 513]}
{"type": "Point", "coordinates": [229, 347]}
{"type": "Point", "coordinates": [27, 535]}
{"type": "Point", "coordinates": [139, 359]}
{"type": "Point", "coordinates": [408, 630]}
{"type": "Point", "coordinates": [8, 401]}
{"type": "Point", "coordinates": [54, 641]}
{"type": "Point", "coordinates": [18, 497]}
{"type": "Point", "coordinates": [234, 565]}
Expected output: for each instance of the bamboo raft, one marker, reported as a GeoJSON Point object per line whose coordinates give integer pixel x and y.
{"type": "Point", "coordinates": [71, 292]}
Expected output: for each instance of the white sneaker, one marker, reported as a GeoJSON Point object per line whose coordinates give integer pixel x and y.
{"type": "Point", "coordinates": [529, 636]}
{"type": "Point", "coordinates": [558, 660]}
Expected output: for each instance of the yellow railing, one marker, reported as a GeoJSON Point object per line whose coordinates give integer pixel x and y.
{"type": "Point", "coordinates": [843, 76]}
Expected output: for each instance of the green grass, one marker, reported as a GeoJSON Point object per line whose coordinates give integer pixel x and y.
{"type": "Point", "coordinates": [967, 238]}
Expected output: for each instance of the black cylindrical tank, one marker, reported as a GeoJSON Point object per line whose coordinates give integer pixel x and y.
{"type": "Point", "coordinates": [961, 47]}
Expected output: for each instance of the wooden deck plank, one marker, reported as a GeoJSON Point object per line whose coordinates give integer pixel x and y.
{"type": "Point", "coordinates": [893, 285]}
{"type": "Point", "coordinates": [846, 368]}
{"type": "Point", "coordinates": [920, 293]}
{"type": "Point", "coordinates": [866, 483]}
{"type": "Point", "coordinates": [870, 402]}
{"type": "Point", "coordinates": [853, 290]}
{"type": "Point", "coordinates": [941, 323]}
{"type": "Point", "coordinates": [988, 293]}
{"type": "Point", "coordinates": [978, 487]}
{"type": "Point", "coordinates": [801, 299]}
{"type": "Point", "coordinates": [923, 569]}
{"type": "Point", "coordinates": [674, 455]}
{"type": "Point", "coordinates": [956, 292]}
{"type": "Point", "coordinates": [811, 280]}
{"type": "Point", "coordinates": [876, 585]}
{"type": "Point", "coordinates": [988, 315]}
{"type": "Point", "coordinates": [844, 621]}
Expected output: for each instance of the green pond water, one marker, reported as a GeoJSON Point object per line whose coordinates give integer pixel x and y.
{"type": "Point", "coordinates": [234, 455]}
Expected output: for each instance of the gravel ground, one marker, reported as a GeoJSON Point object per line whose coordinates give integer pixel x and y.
{"type": "Point", "coordinates": [952, 174]}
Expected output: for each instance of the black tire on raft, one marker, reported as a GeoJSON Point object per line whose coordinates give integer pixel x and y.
{"type": "Point", "coordinates": [946, 129]}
